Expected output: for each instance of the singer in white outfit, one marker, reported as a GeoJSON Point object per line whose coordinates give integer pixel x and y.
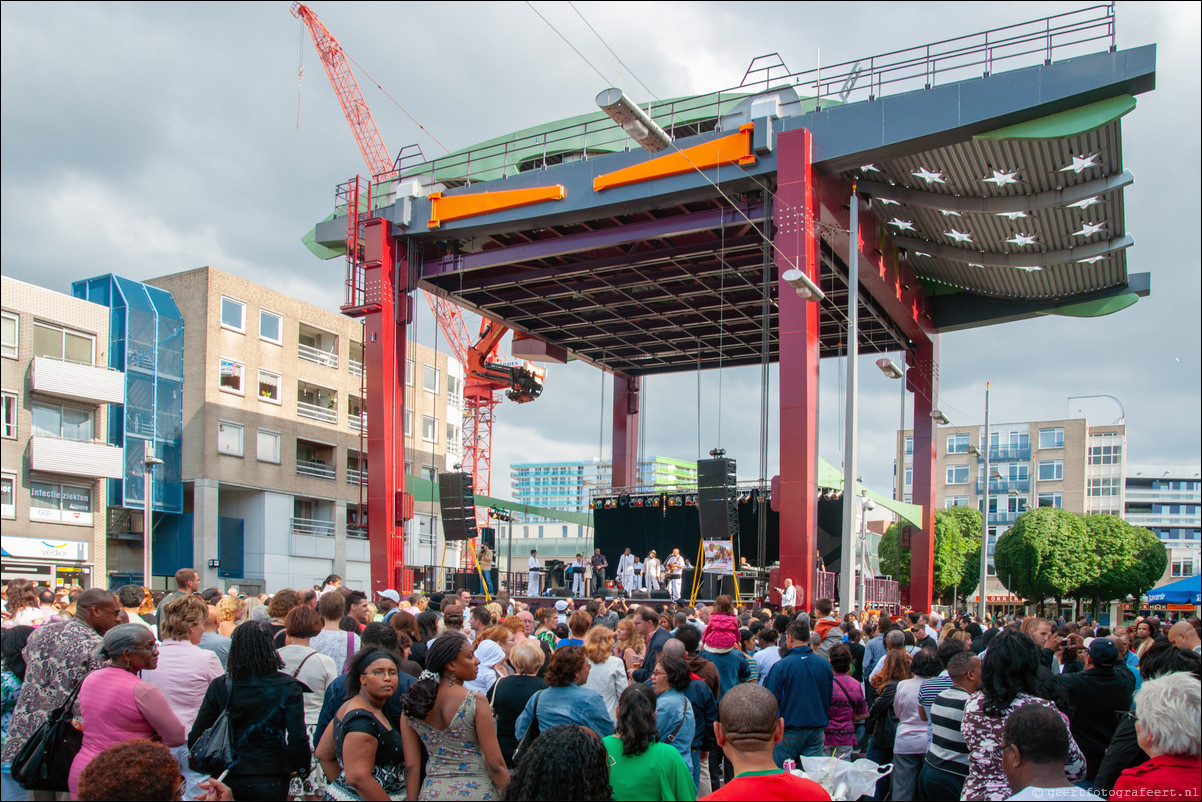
{"type": "Point", "coordinates": [626, 570]}
{"type": "Point", "coordinates": [578, 577]}
{"type": "Point", "coordinates": [534, 581]}
{"type": "Point", "coordinates": [674, 568]}
{"type": "Point", "coordinates": [651, 567]}
{"type": "Point", "coordinates": [788, 594]}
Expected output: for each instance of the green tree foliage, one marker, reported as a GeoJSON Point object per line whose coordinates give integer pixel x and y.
{"type": "Point", "coordinates": [969, 519]}
{"type": "Point", "coordinates": [956, 539]}
{"type": "Point", "coordinates": [1045, 554]}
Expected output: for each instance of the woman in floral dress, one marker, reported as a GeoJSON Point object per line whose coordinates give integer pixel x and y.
{"type": "Point", "coordinates": [456, 727]}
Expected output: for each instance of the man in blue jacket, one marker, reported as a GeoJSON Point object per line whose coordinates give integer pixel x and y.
{"type": "Point", "coordinates": [801, 682]}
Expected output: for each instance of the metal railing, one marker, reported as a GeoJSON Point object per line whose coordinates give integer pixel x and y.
{"type": "Point", "coordinates": [312, 526]}
{"type": "Point", "coordinates": [1039, 41]}
{"type": "Point", "coordinates": [315, 468]}
{"type": "Point", "coordinates": [306, 410]}
{"type": "Point", "coordinates": [355, 366]}
{"type": "Point", "coordinates": [317, 355]}
{"type": "Point", "coordinates": [1005, 485]}
{"type": "Point", "coordinates": [356, 422]}
{"type": "Point", "coordinates": [356, 532]}
{"type": "Point", "coordinates": [1009, 453]}
{"type": "Point", "coordinates": [354, 477]}
{"type": "Point", "coordinates": [1149, 494]}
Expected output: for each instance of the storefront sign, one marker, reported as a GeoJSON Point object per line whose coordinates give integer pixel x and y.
{"type": "Point", "coordinates": [26, 547]}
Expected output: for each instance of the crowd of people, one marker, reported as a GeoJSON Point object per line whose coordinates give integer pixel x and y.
{"type": "Point", "coordinates": [329, 694]}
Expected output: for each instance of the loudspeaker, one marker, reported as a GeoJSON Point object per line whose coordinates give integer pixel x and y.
{"type": "Point", "coordinates": [456, 500]}
{"type": "Point", "coordinates": [660, 593]}
{"type": "Point", "coordinates": [717, 499]}
{"type": "Point", "coordinates": [640, 594]}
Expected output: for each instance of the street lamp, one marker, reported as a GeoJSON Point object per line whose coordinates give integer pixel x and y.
{"type": "Point", "coordinates": [149, 460]}
{"type": "Point", "coordinates": [987, 474]}
{"type": "Point", "coordinates": [939, 417]}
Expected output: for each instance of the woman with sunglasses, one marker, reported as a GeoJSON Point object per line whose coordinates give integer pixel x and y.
{"type": "Point", "coordinates": [362, 754]}
{"type": "Point", "coordinates": [117, 705]}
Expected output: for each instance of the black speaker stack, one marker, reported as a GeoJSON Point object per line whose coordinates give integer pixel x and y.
{"type": "Point", "coordinates": [718, 499]}
{"type": "Point", "coordinates": [456, 500]}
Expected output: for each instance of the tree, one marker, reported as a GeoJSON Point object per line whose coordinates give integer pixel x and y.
{"type": "Point", "coordinates": [952, 548]}
{"type": "Point", "coordinates": [1130, 560]}
{"type": "Point", "coordinates": [1046, 553]}
{"type": "Point", "coordinates": [970, 535]}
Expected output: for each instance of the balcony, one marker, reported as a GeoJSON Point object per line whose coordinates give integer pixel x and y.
{"type": "Point", "coordinates": [354, 477]}
{"type": "Point", "coordinates": [315, 412]}
{"type": "Point", "coordinates": [313, 527]}
{"type": "Point", "coordinates": [316, 403]}
{"type": "Point", "coordinates": [312, 354]}
{"type": "Point", "coordinates": [76, 381]}
{"type": "Point", "coordinates": [88, 458]}
{"type": "Point", "coordinates": [356, 422]}
{"type": "Point", "coordinates": [315, 345]}
{"type": "Point", "coordinates": [316, 469]}
{"type": "Point", "coordinates": [1150, 518]}
{"type": "Point", "coordinates": [356, 532]}
{"type": "Point", "coordinates": [356, 367]}
{"type": "Point", "coordinates": [1005, 485]}
{"type": "Point", "coordinates": [1165, 496]}
{"type": "Point", "coordinates": [1010, 453]}
{"type": "Point", "coordinates": [1004, 516]}
{"type": "Point", "coordinates": [355, 358]}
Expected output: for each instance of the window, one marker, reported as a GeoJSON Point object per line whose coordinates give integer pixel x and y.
{"type": "Point", "coordinates": [408, 423]}
{"type": "Point", "coordinates": [409, 368]}
{"type": "Point", "coordinates": [57, 342]}
{"type": "Point", "coordinates": [957, 474]}
{"type": "Point", "coordinates": [1051, 470]}
{"type": "Point", "coordinates": [8, 495]}
{"type": "Point", "coordinates": [233, 314]}
{"type": "Point", "coordinates": [9, 326]}
{"type": "Point", "coordinates": [429, 428]}
{"type": "Point", "coordinates": [8, 414]}
{"type": "Point", "coordinates": [68, 504]}
{"type": "Point", "coordinates": [1051, 438]}
{"type": "Point", "coordinates": [268, 447]}
{"type": "Point", "coordinates": [271, 327]}
{"type": "Point", "coordinates": [1106, 454]}
{"type": "Point", "coordinates": [452, 437]}
{"type": "Point", "coordinates": [1183, 566]}
{"type": "Point", "coordinates": [1051, 500]}
{"type": "Point", "coordinates": [428, 473]}
{"type": "Point", "coordinates": [67, 423]}
{"type": "Point", "coordinates": [229, 438]}
{"type": "Point", "coordinates": [955, 501]}
{"type": "Point", "coordinates": [430, 378]}
{"type": "Point", "coordinates": [269, 386]}
{"type": "Point", "coordinates": [958, 443]}
{"type": "Point", "coordinates": [909, 476]}
{"type": "Point", "coordinates": [909, 445]}
{"type": "Point", "coordinates": [231, 376]}
{"type": "Point", "coordinates": [454, 388]}
{"type": "Point", "coordinates": [1106, 486]}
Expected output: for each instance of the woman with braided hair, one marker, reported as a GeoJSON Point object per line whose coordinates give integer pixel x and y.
{"type": "Point", "coordinates": [455, 725]}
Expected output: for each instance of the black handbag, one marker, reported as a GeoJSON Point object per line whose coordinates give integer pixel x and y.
{"type": "Point", "coordinates": [213, 751]}
{"type": "Point", "coordinates": [531, 732]}
{"type": "Point", "coordinates": [44, 762]}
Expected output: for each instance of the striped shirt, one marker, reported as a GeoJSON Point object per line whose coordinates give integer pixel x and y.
{"type": "Point", "coordinates": [931, 688]}
{"type": "Point", "coordinates": [948, 751]}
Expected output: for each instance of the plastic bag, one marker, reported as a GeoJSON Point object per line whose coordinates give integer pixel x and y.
{"type": "Point", "coordinates": [845, 779]}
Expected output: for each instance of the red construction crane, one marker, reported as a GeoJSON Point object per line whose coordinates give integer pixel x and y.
{"type": "Point", "coordinates": [486, 370]}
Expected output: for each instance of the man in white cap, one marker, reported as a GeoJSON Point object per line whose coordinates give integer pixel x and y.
{"type": "Point", "coordinates": [651, 567]}
{"type": "Point", "coordinates": [561, 607]}
{"type": "Point", "coordinates": [626, 570]}
{"type": "Point", "coordinates": [534, 577]}
{"type": "Point", "coordinates": [389, 601]}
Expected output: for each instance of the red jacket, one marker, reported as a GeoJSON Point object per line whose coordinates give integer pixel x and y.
{"type": "Point", "coordinates": [1164, 777]}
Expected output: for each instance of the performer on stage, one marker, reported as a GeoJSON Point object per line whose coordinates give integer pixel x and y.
{"type": "Point", "coordinates": [576, 569]}
{"type": "Point", "coordinates": [626, 570]}
{"type": "Point", "coordinates": [638, 573]}
{"type": "Point", "coordinates": [788, 596]}
{"type": "Point", "coordinates": [674, 569]}
{"type": "Point", "coordinates": [484, 558]}
{"type": "Point", "coordinates": [599, 566]}
{"type": "Point", "coordinates": [535, 577]}
{"type": "Point", "coordinates": [652, 568]}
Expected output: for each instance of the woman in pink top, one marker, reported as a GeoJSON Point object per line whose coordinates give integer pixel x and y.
{"type": "Point", "coordinates": [184, 671]}
{"type": "Point", "coordinates": [116, 706]}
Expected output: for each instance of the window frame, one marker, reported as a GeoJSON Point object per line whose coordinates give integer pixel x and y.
{"type": "Point", "coordinates": [279, 450]}
{"type": "Point", "coordinates": [425, 387]}
{"type": "Point", "coordinates": [949, 476]}
{"type": "Point", "coordinates": [8, 428]}
{"type": "Point", "coordinates": [279, 384]}
{"type": "Point", "coordinates": [958, 443]}
{"type": "Point", "coordinates": [241, 438]}
{"type": "Point", "coordinates": [1057, 466]}
{"type": "Point", "coordinates": [8, 511]}
{"type": "Point", "coordinates": [58, 517]}
{"type": "Point", "coordinates": [64, 331]}
{"type": "Point", "coordinates": [241, 327]}
{"type": "Point", "coordinates": [433, 419]}
{"type": "Point", "coordinates": [241, 376]}
{"type": "Point", "coordinates": [1058, 442]}
{"type": "Point", "coordinates": [91, 414]}
{"type": "Point", "coordinates": [278, 317]}
{"type": "Point", "coordinates": [410, 372]}
{"type": "Point", "coordinates": [15, 345]}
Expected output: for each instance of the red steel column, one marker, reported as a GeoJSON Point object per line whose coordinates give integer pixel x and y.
{"type": "Point", "coordinates": [796, 245]}
{"type": "Point", "coordinates": [384, 356]}
{"type": "Point", "coordinates": [625, 430]}
{"type": "Point", "coordinates": [923, 380]}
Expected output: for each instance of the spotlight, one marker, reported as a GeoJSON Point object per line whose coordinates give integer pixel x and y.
{"type": "Point", "coordinates": [888, 368]}
{"type": "Point", "coordinates": [717, 452]}
{"type": "Point", "coordinates": [634, 121]}
{"type": "Point", "coordinates": [805, 288]}
{"type": "Point", "coordinates": [940, 418]}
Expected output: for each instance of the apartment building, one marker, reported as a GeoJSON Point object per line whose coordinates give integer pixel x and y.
{"type": "Point", "coordinates": [57, 390]}
{"type": "Point", "coordinates": [274, 464]}
{"type": "Point", "coordinates": [1069, 464]}
{"type": "Point", "coordinates": [1167, 499]}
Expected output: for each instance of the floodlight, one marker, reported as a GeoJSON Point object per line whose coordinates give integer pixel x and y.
{"type": "Point", "coordinates": [888, 368]}
{"type": "Point", "coordinates": [634, 121]}
{"type": "Point", "coordinates": [806, 288]}
{"type": "Point", "coordinates": [940, 418]}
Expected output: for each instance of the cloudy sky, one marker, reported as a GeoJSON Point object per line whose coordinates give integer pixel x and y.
{"type": "Point", "coordinates": [144, 139]}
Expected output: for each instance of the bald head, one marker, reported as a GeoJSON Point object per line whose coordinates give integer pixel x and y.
{"type": "Point", "coordinates": [1183, 635]}
{"type": "Point", "coordinates": [98, 608]}
{"type": "Point", "coordinates": [749, 719]}
{"type": "Point", "coordinates": [673, 647]}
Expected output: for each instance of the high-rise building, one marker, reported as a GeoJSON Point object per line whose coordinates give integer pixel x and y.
{"type": "Point", "coordinates": [274, 461]}
{"type": "Point", "coordinates": [1167, 499]}
{"type": "Point", "coordinates": [567, 486]}
{"type": "Point", "coordinates": [1069, 464]}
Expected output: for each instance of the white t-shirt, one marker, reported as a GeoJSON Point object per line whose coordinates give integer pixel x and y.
{"type": "Point", "coordinates": [1071, 792]}
{"type": "Point", "coordinates": [32, 616]}
{"type": "Point", "coordinates": [318, 672]}
{"type": "Point", "coordinates": [333, 644]}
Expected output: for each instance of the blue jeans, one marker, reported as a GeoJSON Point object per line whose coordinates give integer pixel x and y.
{"type": "Point", "coordinates": [905, 775]}
{"type": "Point", "coordinates": [696, 768]}
{"type": "Point", "coordinates": [799, 741]}
{"type": "Point", "coordinates": [936, 783]}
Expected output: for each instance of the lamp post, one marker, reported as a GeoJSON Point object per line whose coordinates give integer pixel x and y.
{"type": "Point", "coordinates": [847, 593]}
{"type": "Point", "coordinates": [149, 460]}
{"type": "Point", "coordinates": [986, 473]}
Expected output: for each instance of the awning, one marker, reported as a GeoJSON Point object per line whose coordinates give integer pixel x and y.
{"type": "Point", "coordinates": [1185, 591]}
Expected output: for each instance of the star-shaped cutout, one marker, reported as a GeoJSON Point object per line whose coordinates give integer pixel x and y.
{"type": "Point", "coordinates": [1081, 163]}
{"type": "Point", "coordinates": [901, 225]}
{"type": "Point", "coordinates": [920, 253]}
{"type": "Point", "coordinates": [929, 176]}
{"type": "Point", "coordinates": [1028, 269]}
{"type": "Point", "coordinates": [869, 168]}
{"type": "Point", "coordinates": [888, 202]}
{"type": "Point", "coordinates": [1089, 229]}
{"type": "Point", "coordinates": [1001, 179]}
{"type": "Point", "coordinates": [1013, 215]}
{"type": "Point", "coordinates": [949, 213]}
{"type": "Point", "coordinates": [1085, 204]}
{"type": "Point", "coordinates": [959, 236]}
{"type": "Point", "coordinates": [1022, 239]}
{"type": "Point", "coordinates": [1091, 260]}
{"type": "Point", "coordinates": [974, 264]}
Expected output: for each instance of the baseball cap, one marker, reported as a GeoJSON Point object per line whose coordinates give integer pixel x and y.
{"type": "Point", "coordinates": [1103, 652]}
{"type": "Point", "coordinates": [561, 605]}
{"type": "Point", "coordinates": [390, 594]}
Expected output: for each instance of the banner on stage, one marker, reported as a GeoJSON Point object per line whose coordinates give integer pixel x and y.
{"type": "Point", "coordinates": [719, 557]}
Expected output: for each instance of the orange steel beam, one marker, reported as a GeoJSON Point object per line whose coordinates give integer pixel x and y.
{"type": "Point", "coordinates": [733, 149]}
{"type": "Point", "coordinates": [455, 207]}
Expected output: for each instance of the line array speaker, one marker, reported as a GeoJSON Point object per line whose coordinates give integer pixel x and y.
{"type": "Point", "coordinates": [456, 500]}
{"type": "Point", "coordinates": [717, 499]}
